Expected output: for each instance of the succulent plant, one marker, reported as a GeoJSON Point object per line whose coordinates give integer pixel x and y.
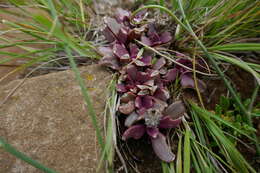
{"type": "Point", "coordinates": [143, 78]}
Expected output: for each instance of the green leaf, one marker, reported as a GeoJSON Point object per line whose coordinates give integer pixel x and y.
{"type": "Point", "coordinates": [237, 47]}
{"type": "Point", "coordinates": [186, 158]}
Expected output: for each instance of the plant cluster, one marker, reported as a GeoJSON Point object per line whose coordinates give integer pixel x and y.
{"type": "Point", "coordinates": [143, 78]}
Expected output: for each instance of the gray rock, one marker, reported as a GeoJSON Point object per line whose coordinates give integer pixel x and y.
{"type": "Point", "coordinates": [47, 119]}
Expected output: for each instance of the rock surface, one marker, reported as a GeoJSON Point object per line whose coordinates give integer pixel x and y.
{"type": "Point", "coordinates": [46, 118]}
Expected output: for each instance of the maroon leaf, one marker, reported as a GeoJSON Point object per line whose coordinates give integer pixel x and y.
{"type": "Point", "coordinates": [175, 110]}
{"type": "Point", "coordinates": [162, 94]}
{"type": "Point", "coordinates": [132, 72]}
{"type": "Point", "coordinates": [161, 149]}
{"type": "Point", "coordinates": [121, 88]}
{"type": "Point", "coordinates": [187, 81]}
{"type": "Point", "coordinates": [127, 108]}
{"type": "Point", "coordinates": [165, 37]}
{"type": "Point", "coordinates": [152, 131]}
{"type": "Point", "coordinates": [171, 75]}
{"type": "Point", "coordinates": [145, 40]}
{"type": "Point", "coordinates": [110, 61]}
{"type": "Point", "coordinates": [122, 35]}
{"type": "Point", "coordinates": [168, 122]}
{"type": "Point", "coordinates": [144, 102]}
{"type": "Point", "coordinates": [110, 37]}
{"type": "Point", "coordinates": [159, 64]}
{"type": "Point", "coordinates": [112, 29]}
{"type": "Point", "coordinates": [121, 52]}
{"type": "Point", "coordinates": [126, 97]}
{"type": "Point", "coordinates": [131, 119]}
{"type": "Point", "coordinates": [135, 131]}
{"type": "Point", "coordinates": [133, 50]}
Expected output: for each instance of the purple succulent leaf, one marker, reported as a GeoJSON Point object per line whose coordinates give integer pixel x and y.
{"type": "Point", "coordinates": [121, 88]}
{"type": "Point", "coordinates": [133, 50]}
{"type": "Point", "coordinates": [122, 15]}
{"type": "Point", "coordinates": [159, 64]}
{"type": "Point", "coordinates": [175, 110]}
{"type": "Point", "coordinates": [131, 119]}
{"type": "Point", "coordinates": [144, 102]}
{"type": "Point", "coordinates": [152, 131]}
{"type": "Point", "coordinates": [112, 29]}
{"type": "Point", "coordinates": [132, 72]}
{"type": "Point", "coordinates": [147, 59]}
{"type": "Point", "coordinates": [165, 37]}
{"type": "Point", "coordinates": [110, 37]}
{"type": "Point", "coordinates": [142, 77]}
{"type": "Point", "coordinates": [141, 111]}
{"type": "Point", "coordinates": [161, 149]}
{"type": "Point", "coordinates": [168, 122]}
{"type": "Point", "coordinates": [135, 131]}
{"type": "Point", "coordinates": [110, 61]}
{"type": "Point", "coordinates": [126, 97]}
{"type": "Point", "coordinates": [127, 108]}
{"type": "Point", "coordinates": [121, 52]}
{"type": "Point", "coordinates": [145, 40]}
{"type": "Point", "coordinates": [143, 92]}
{"type": "Point", "coordinates": [160, 105]}
{"type": "Point", "coordinates": [162, 94]}
{"type": "Point", "coordinates": [147, 101]}
{"type": "Point", "coordinates": [171, 75]}
{"type": "Point", "coordinates": [122, 35]}
{"type": "Point", "coordinates": [149, 83]}
{"type": "Point", "coordinates": [187, 81]}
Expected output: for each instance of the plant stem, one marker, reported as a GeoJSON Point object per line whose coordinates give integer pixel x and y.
{"type": "Point", "coordinates": [10, 149]}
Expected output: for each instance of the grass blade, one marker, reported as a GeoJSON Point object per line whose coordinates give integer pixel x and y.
{"type": "Point", "coordinates": [10, 149]}
{"type": "Point", "coordinates": [186, 158]}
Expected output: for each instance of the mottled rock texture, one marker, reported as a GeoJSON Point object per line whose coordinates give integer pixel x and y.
{"type": "Point", "coordinates": [46, 118]}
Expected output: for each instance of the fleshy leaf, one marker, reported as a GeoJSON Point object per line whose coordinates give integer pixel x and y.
{"type": "Point", "coordinates": [165, 37]}
{"type": "Point", "coordinates": [112, 28]}
{"type": "Point", "coordinates": [145, 102]}
{"type": "Point", "coordinates": [135, 131]}
{"type": "Point", "coordinates": [161, 149]}
{"type": "Point", "coordinates": [175, 110]}
{"type": "Point", "coordinates": [121, 88]}
{"type": "Point", "coordinates": [122, 35]}
{"type": "Point", "coordinates": [159, 64]}
{"type": "Point", "coordinates": [121, 52]}
{"type": "Point", "coordinates": [162, 94]}
{"type": "Point", "coordinates": [145, 40]}
{"type": "Point", "coordinates": [110, 61]}
{"type": "Point", "coordinates": [131, 119]}
{"type": "Point", "coordinates": [187, 81]}
{"type": "Point", "coordinates": [171, 75]}
{"type": "Point", "coordinates": [152, 131]}
{"type": "Point", "coordinates": [132, 72]}
{"type": "Point", "coordinates": [133, 50]}
{"type": "Point", "coordinates": [168, 122]}
{"type": "Point", "coordinates": [126, 97]}
{"type": "Point", "coordinates": [127, 108]}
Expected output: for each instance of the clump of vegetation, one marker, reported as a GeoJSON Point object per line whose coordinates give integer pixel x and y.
{"type": "Point", "coordinates": [143, 78]}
